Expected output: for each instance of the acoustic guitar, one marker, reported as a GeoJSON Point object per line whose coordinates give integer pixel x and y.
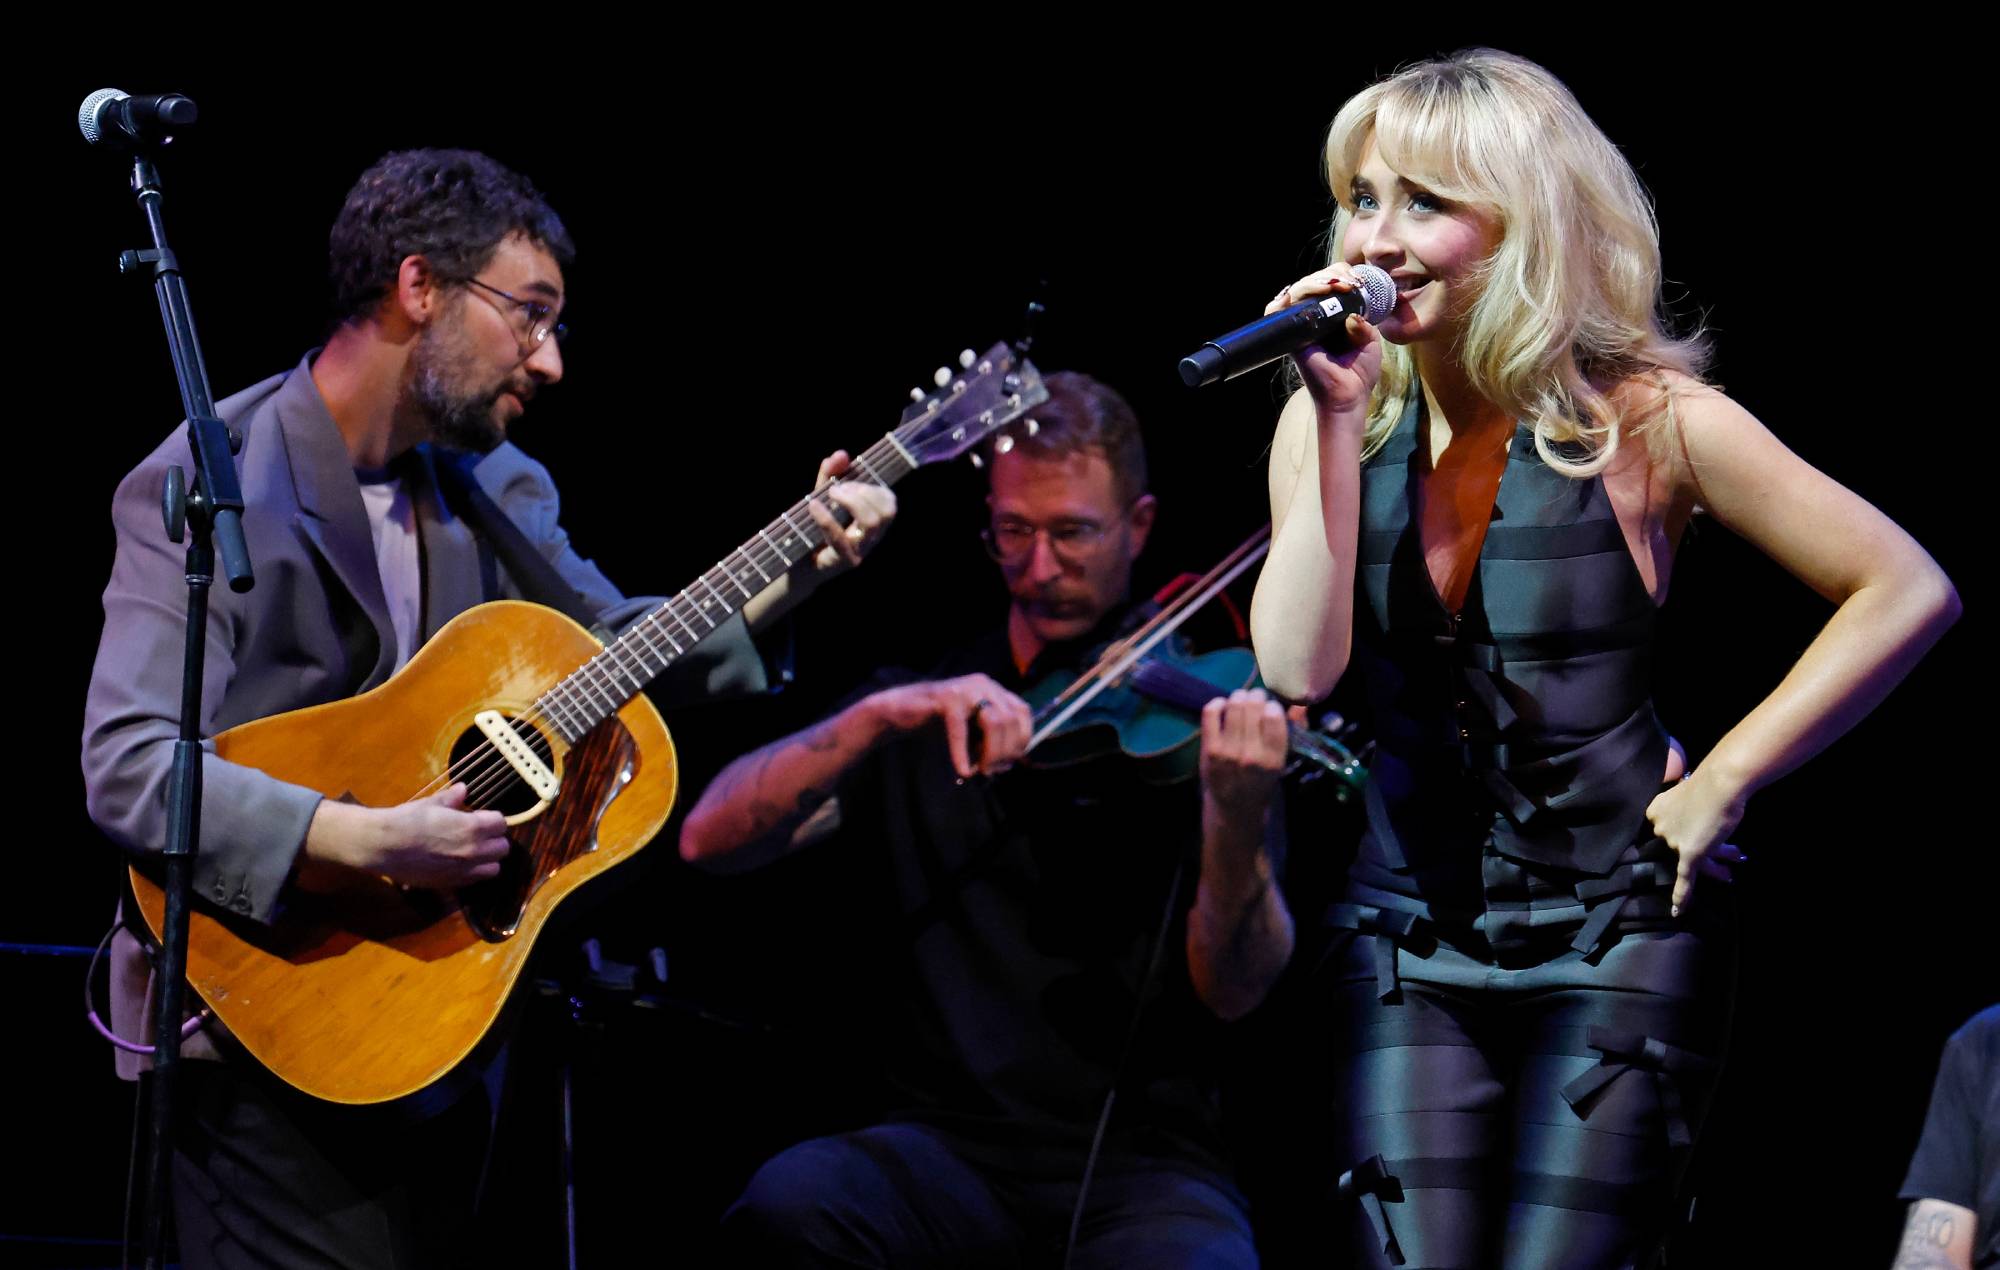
{"type": "Point", "coordinates": [377, 991]}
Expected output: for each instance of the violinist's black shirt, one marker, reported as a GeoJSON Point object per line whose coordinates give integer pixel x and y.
{"type": "Point", "coordinates": [1030, 904]}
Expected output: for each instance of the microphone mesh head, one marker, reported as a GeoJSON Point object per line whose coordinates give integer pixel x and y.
{"type": "Point", "coordinates": [1378, 291]}
{"type": "Point", "coordinates": [87, 114]}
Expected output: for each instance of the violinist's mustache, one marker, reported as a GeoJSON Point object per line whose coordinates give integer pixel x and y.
{"type": "Point", "coordinates": [1053, 600]}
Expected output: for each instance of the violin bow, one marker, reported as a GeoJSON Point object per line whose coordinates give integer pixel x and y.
{"type": "Point", "coordinates": [1122, 655]}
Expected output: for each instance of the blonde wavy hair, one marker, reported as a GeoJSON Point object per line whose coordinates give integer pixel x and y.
{"type": "Point", "coordinates": [1568, 307]}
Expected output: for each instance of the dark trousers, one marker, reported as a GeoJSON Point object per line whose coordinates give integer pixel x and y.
{"type": "Point", "coordinates": [903, 1195]}
{"type": "Point", "coordinates": [264, 1176]}
{"type": "Point", "coordinates": [1523, 1112]}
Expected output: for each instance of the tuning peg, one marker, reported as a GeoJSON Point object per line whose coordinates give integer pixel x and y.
{"type": "Point", "coordinates": [1033, 426]}
{"type": "Point", "coordinates": [916, 394]}
{"type": "Point", "coordinates": [1003, 444]}
{"type": "Point", "coordinates": [943, 376]}
{"type": "Point", "coordinates": [976, 460]}
{"type": "Point", "coordinates": [966, 357]}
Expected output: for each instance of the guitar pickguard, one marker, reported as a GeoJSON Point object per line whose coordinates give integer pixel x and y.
{"type": "Point", "coordinates": [594, 771]}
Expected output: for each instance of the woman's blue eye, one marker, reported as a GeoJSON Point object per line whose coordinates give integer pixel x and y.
{"type": "Point", "coordinates": [1364, 202]}
{"type": "Point", "coordinates": [1426, 203]}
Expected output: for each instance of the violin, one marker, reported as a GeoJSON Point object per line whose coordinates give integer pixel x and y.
{"type": "Point", "coordinates": [1144, 694]}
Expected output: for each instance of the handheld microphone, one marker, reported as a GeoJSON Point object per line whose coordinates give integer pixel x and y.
{"type": "Point", "coordinates": [111, 117]}
{"type": "Point", "coordinates": [1320, 321]}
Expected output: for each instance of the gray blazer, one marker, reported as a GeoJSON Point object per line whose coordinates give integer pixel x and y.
{"type": "Point", "coordinates": [314, 629]}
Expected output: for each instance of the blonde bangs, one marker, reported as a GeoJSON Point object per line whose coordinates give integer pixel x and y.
{"type": "Point", "coordinates": [1424, 136]}
{"type": "Point", "coordinates": [1569, 305]}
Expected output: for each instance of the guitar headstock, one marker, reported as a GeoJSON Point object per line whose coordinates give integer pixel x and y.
{"type": "Point", "coordinates": [987, 392]}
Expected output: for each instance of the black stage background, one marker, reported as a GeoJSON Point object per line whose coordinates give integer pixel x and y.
{"type": "Point", "coordinates": [775, 246]}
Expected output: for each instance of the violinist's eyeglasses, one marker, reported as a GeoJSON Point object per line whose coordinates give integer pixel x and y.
{"type": "Point", "coordinates": [1073, 542]}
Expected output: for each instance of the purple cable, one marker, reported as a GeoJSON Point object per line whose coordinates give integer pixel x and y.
{"type": "Point", "coordinates": [188, 1028]}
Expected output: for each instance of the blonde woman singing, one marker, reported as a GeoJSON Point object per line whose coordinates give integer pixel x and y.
{"type": "Point", "coordinates": [1476, 510]}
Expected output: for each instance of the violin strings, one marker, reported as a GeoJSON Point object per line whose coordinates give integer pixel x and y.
{"type": "Point", "coordinates": [1122, 657]}
{"type": "Point", "coordinates": [1192, 598]}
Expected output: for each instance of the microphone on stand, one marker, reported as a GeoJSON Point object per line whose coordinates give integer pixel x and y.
{"type": "Point", "coordinates": [111, 117]}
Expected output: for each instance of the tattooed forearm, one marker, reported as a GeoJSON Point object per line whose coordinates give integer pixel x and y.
{"type": "Point", "coordinates": [1252, 920]}
{"type": "Point", "coordinates": [755, 809]}
{"type": "Point", "coordinates": [760, 813]}
{"type": "Point", "coordinates": [822, 737]}
{"type": "Point", "coordinates": [1937, 1236]}
{"type": "Point", "coordinates": [1239, 938]}
{"type": "Point", "coordinates": [773, 804]}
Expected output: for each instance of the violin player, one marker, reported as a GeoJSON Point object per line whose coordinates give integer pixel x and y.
{"type": "Point", "coordinates": [1051, 913]}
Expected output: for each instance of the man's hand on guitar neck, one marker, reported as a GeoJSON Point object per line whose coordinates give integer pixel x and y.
{"type": "Point", "coordinates": [431, 843]}
{"type": "Point", "coordinates": [870, 509]}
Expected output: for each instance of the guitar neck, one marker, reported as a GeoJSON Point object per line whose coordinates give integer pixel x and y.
{"type": "Point", "coordinates": [598, 688]}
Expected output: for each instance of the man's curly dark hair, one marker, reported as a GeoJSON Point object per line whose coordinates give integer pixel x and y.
{"type": "Point", "coordinates": [452, 207]}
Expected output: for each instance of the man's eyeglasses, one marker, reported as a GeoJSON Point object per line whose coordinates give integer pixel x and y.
{"type": "Point", "coordinates": [1073, 542]}
{"type": "Point", "coordinates": [542, 324]}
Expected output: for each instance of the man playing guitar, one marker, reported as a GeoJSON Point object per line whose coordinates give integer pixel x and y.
{"type": "Point", "coordinates": [448, 277]}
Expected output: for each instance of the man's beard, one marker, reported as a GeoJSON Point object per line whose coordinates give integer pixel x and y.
{"type": "Point", "coordinates": [459, 420]}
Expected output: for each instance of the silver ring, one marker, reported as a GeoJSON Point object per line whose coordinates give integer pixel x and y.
{"type": "Point", "coordinates": [979, 705]}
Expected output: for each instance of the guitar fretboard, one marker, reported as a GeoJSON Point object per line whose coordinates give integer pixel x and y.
{"type": "Point", "coordinates": [596, 690]}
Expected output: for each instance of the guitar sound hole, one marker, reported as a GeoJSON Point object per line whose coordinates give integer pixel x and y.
{"type": "Point", "coordinates": [491, 782]}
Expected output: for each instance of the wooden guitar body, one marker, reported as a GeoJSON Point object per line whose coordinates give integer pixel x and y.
{"type": "Point", "coordinates": [377, 991]}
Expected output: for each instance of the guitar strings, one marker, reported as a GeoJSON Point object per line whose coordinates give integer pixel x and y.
{"type": "Point", "coordinates": [488, 774]}
{"type": "Point", "coordinates": [485, 770]}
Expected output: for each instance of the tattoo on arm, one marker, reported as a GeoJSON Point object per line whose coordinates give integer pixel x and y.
{"type": "Point", "coordinates": [822, 737]}
{"type": "Point", "coordinates": [1938, 1229]}
{"type": "Point", "coordinates": [761, 812]}
{"type": "Point", "coordinates": [1933, 1238]}
{"type": "Point", "coordinates": [766, 813]}
{"type": "Point", "coordinates": [1238, 947]}
{"type": "Point", "coordinates": [1251, 919]}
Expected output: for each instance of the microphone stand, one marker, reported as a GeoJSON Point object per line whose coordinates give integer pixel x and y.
{"type": "Point", "coordinates": [210, 510]}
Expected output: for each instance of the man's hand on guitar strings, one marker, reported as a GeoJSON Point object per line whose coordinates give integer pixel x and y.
{"type": "Point", "coordinates": [431, 842]}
